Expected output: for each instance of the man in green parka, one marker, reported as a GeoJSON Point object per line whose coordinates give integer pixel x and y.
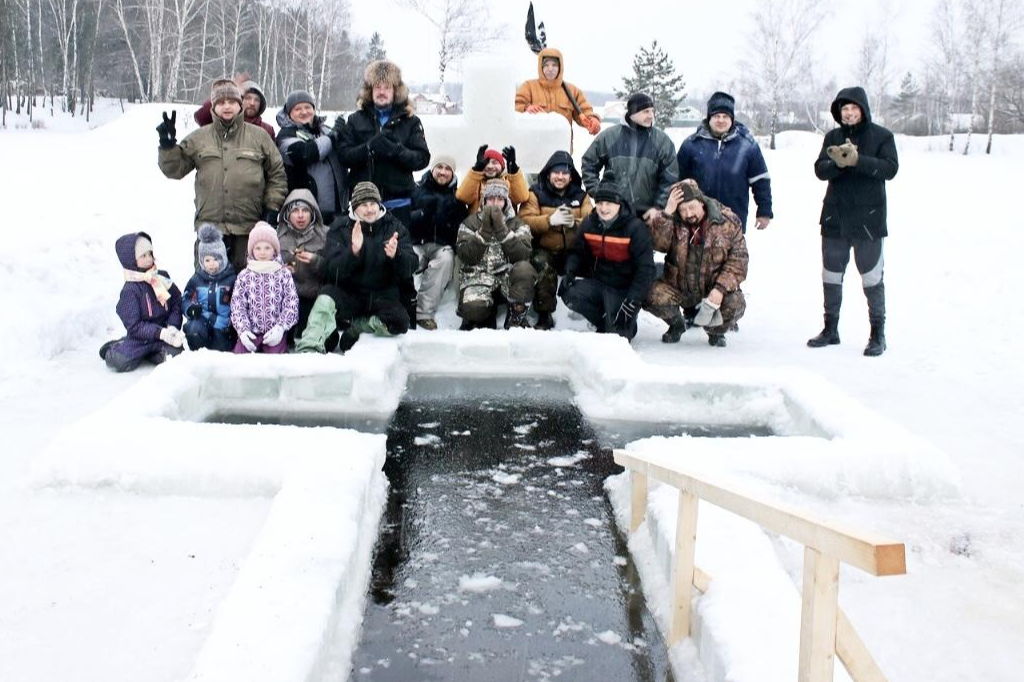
{"type": "Point", "coordinates": [240, 177]}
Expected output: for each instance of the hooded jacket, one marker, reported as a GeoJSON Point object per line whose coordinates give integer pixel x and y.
{"type": "Point", "coordinates": [239, 173]}
{"type": "Point", "coordinates": [721, 258]}
{"type": "Point", "coordinates": [643, 158]}
{"type": "Point", "coordinates": [204, 114]}
{"type": "Point", "coordinates": [141, 313]}
{"type": "Point", "coordinates": [551, 94]}
{"type": "Point", "coordinates": [436, 213]}
{"type": "Point", "coordinates": [618, 255]}
{"type": "Point", "coordinates": [312, 240]}
{"type": "Point", "coordinates": [727, 169]}
{"type": "Point", "coordinates": [855, 203]}
{"type": "Point", "coordinates": [392, 175]}
{"type": "Point", "coordinates": [325, 177]}
{"type": "Point", "coordinates": [262, 300]}
{"type": "Point", "coordinates": [370, 273]}
{"type": "Point", "coordinates": [212, 293]}
{"type": "Point", "coordinates": [544, 200]}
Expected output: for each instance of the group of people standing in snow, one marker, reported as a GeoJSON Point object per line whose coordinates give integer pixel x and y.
{"type": "Point", "coordinates": [309, 237]}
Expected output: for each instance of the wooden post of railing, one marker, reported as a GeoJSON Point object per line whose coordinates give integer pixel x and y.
{"type": "Point", "coordinates": [682, 572]}
{"type": "Point", "coordinates": [638, 506]}
{"type": "Point", "coordinates": [818, 617]}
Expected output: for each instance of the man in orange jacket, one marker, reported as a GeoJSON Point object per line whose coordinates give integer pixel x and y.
{"type": "Point", "coordinates": [550, 94]}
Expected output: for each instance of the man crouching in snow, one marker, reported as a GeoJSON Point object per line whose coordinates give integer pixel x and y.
{"type": "Point", "coordinates": [368, 253]}
{"type": "Point", "coordinates": [705, 264]}
{"type": "Point", "coordinates": [149, 307]}
{"type": "Point", "coordinates": [494, 247]}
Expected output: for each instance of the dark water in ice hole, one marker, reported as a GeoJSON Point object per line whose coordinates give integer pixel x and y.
{"type": "Point", "coordinates": [497, 561]}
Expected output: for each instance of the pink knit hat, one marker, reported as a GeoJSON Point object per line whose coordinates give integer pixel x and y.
{"type": "Point", "coordinates": [263, 232]}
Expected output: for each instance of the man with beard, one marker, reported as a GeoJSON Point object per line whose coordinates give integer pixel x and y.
{"type": "Point", "coordinates": [253, 105]}
{"type": "Point", "coordinates": [240, 177]}
{"type": "Point", "coordinates": [705, 263]}
{"type": "Point", "coordinates": [554, 211]}
{"type": "Point", "coordinates": [490, 165]}
{"type": "Point", "coordinates": [610, 269]}
{"type": "Point", "coordinates": [856, 159]}
{"type": "Point", "coordinates": [642, 157]}
{"type": "Point", "coordinates": [436, 216]}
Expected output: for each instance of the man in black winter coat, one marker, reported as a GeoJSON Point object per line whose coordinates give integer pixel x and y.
{"type": "Point", "coordinates": [435, 219]}
{"type": "Point", "coordinates": [367, 256]}
{"type": "Point", "coordinates": [611, 267]}
{"type": "Point", "coordinates": [855, 159]}
{"type": "Point", "coordinates": [383, 142]}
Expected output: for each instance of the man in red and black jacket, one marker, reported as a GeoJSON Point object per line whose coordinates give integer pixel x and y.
{"type": "Point", "coordinates": [611, 267]}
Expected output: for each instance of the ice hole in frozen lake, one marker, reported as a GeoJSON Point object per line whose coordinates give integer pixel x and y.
{"type": "Point", "coordinates": [498, 549]}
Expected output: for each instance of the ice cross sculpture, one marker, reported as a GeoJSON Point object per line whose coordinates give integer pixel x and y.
{"type": "Point", "coordinates": [490, 117]}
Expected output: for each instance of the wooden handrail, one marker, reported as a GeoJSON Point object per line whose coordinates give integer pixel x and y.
{"type": "Point", "coordinates": [824, 628]}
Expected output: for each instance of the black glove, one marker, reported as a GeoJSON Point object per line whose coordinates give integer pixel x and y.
{"type": "Point", "coordinates": [168, 135]}
{"type": "Point", "coordinates": [194, 311]}
{"type": "Point", "coordinates": [626, 313]}
{"type": "Point", "coordinates": [270, 217]}
{"type": "Point", "coordinates": [336, 131]}
{"type": "Point", "coordinates": [303, 153]}
{"type": "Point", "coordinates": [480, 160]}
{"type": "Point", "coordinates": [567, 282]}
{"type": "Point", "coordinates": [384, 147]}
{"type": "Point", "coordinates": [510, 160]}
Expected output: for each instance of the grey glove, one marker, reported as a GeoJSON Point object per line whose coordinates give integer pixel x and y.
{"type": "Point", "coordinates": [708, 315]}
{"type": "Point", "coordinates": [562, 218]}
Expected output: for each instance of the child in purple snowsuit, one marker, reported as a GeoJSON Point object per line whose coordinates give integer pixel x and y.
{"type": "Point", "coordinates": [265, 303]}
{"type": "Point", "coordinates": [149, 307]}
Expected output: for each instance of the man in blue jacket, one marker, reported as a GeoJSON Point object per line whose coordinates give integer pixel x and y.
{"type": "Point", "coordinates": [725, 160]}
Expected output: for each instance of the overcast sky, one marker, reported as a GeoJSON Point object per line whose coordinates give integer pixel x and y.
{"type": "Point", "coordinates": [704, 38]}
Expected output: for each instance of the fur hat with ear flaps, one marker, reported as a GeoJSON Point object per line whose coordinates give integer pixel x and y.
{"type": "Point", "coordinates": [383, 71]}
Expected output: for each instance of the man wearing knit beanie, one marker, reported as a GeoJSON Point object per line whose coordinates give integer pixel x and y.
{"type": "Point", "coordinates": [436, 216]}
{"type": "Point", "coordinates": [491, 164]}
{"type": "Point", "coordinates": [254, 103]}
{"type": "Point", "coordinates": [640, 155]}
{"type": "Point", "coordinates": [241, 179]}
{"type": "Point", "coordinates": [494, 247]}
{"type": "Point", "coordinates": [726, 162]}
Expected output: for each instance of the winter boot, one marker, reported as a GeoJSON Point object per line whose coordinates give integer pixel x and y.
{"type": "Point", "coordinates": [348, 339]}
{"type": "Point", "coordinates": [319, 327]}
{"type": "Point", "coordinates": [105, 347]}
{"type": "Point", "coordinates": [676, 328]}
{"type": "Point", "coordinates": [876, 342]}
{"type": "Point", "coordinates": [427, 323]}
{"type": "Point", "coordinates": [545, 321]}
{"type": "Point", "coordinates": [518, 316]}
{"type": "Point", "coordinates": [829, 336]}
{"type": "Point", "coordinates": [716, 340]}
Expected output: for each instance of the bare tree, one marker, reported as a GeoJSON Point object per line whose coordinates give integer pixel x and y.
{"type": "Point", "coordinates": [1005, 20]}
{"type": "Point", "coordinates": [944, 64]}
{"type": "Point", "coordinates": [778, 42]}
{"type": "Point", "coordinates": [461, 27]}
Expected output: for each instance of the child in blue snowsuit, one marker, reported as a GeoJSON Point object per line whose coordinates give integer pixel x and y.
{"type": "Point", "coordinates": [149, 307]}
{"type": "Point", "coordinates": [207, 299]}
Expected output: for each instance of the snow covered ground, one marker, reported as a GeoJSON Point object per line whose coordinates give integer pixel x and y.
{"type": "Point", "coordinates": [112, 585]}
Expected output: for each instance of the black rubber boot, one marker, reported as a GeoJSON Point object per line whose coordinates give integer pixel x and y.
{"type": "Point", "coordinates": [876, 342]}
{"type": "Point", "coordinates": [348, 339]}
{"type": "Point", "coordinates": [544, 322]}
{"type": "Point", "coordinates": [676, 327]}
{"type": "Point", "coordinates": [829, 336]}
{"type": "Point", "coordinates": [105, 347]}
{"type": "Point", "coordinates": [518, 316]}
{"type": "Point", "coordinates": [716, 340]}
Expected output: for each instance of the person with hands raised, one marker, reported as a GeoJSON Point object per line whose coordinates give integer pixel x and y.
{"type": "Point", "coordinates": [368, 254]}
{"type": "Point", "coordinates": [493, 165]}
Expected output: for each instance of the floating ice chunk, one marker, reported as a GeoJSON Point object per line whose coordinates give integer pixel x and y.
{"type": "Point", "coordinates": [572, 512]}
{"type": "Point", "coordinates": [502, 478]}
{"type": "Point", "coordinates": [596, 523]}
{"type": "Point", "coordinates": [525, 429]}
{"type": "Point", "coordinates": [429, 425]}
{"type": "Point", "coordinates": [428, 609]}
{"type": "Point", "coordinates": [528, 448]}
{"type": "Point", "coordinates": [479, 582]}
{"type": "Point", "coordinates": [428, 439]}
{"type": "Point", "coordinates": [503, 621]}
{"type": "Point", "coordinates": [620, 560]}
{"type": "Point", "coordinates": [609, 637]}
{"type": "Point", "coordinates": [467, 432]}
{"type": "Point", "coordinates": [581, 548]}
{"type": "Point", "coordinates": [569, 460]}
{"type": "Point", "coordinates": [411, 584]}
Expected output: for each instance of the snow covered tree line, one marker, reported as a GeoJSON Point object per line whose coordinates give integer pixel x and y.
{"type": "Point", "coordinates": [170, 50]}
